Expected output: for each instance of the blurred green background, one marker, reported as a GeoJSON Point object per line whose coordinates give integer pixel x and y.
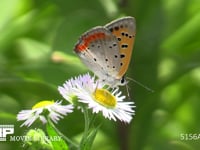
{"type": "Point", "coordinates": [166, 58]}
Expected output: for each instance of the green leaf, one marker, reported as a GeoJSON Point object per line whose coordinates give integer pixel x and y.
{"type": "Point", "coordinates": [57, 141]}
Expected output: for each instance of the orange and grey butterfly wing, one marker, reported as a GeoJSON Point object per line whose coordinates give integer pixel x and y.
{"type": "Point", "coordinates": [124, 29]}
{"type": "Point", "coordinates": [99, 50]}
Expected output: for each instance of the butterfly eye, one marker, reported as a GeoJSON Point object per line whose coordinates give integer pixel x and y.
{"type": "Point", "coordinates": [123, 81]}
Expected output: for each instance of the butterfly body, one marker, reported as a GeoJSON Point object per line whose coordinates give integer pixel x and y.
{"type": "Point", "coordinates": [106, 50]}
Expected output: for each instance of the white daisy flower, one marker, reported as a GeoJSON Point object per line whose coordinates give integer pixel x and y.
{"type": "Point", "coordinates": [71, 87]}
{"type": "Point", "coordinates": [92, 93]}
{"type": "Point", "coordinates": [54, 110]}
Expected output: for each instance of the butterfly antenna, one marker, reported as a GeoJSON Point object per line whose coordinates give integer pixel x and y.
{"type": "Point", "coordinates": [127, 89]}
{"type": "Point", "coordinates": [142, 85]}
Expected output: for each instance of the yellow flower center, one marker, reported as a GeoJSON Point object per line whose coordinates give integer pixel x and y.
{"type": "Point", "coordinates": [42, 104]}
{"type": "Point", "coordinates": [105, 98]}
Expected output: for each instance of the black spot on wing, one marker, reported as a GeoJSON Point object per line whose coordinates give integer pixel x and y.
{"type": "Point", "coordinates": [124, 46]}
{"type": "Point", "coordinates": [122, 56]}
{"type": "Point", "coordinates": [114, 44]}
{"type": "Point", "coordinates": [116, 28]}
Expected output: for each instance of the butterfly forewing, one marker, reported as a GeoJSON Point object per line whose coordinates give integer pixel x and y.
{"type": "Point", "coordinates": [124, 29]}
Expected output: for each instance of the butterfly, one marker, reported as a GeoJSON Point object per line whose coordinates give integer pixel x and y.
{"type": "Point", "coordinates": [106, 50]}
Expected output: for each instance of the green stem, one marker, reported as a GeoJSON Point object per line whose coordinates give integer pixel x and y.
{"type": "Point", "coordinates": [89, 129]}
{"type": "Point", "coordinates": [87, 125]}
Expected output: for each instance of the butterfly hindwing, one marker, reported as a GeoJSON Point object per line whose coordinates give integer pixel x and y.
{"type": "Point", "coordinates": [99, 51]}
